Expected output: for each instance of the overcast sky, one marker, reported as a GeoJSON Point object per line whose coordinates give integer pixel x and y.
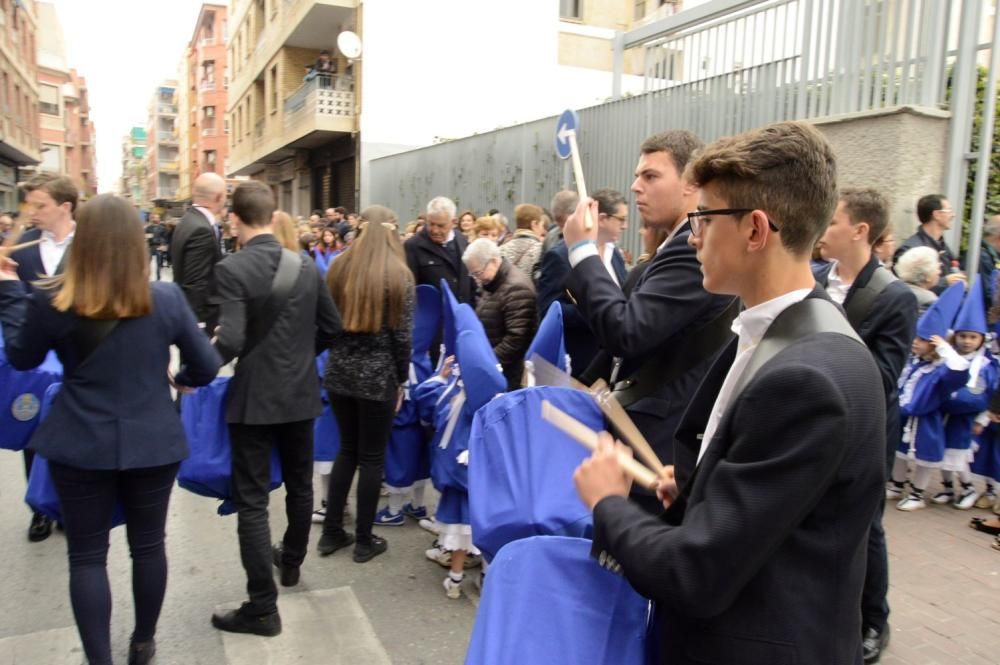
{"type": "Point", "coordinates": [124, 48]}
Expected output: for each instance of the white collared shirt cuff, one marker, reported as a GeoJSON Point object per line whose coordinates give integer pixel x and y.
{"type": "Point", "coordinates": [582, 252]}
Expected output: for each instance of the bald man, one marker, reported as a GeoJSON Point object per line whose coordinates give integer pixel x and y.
{"type": "Point", "coordinates": [196, 247]}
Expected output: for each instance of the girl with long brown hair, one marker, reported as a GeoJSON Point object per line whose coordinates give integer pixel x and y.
{"type": "Point", "coordinates": [368, 365]}
{"type": "Point", "coordinates": [112, 434]}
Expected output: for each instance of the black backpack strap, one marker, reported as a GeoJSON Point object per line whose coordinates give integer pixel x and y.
{"type": "Point", "coordinates": [87, 336]}
{"type": "Point", "coordinates": [263, 319]}
{"type": "Point", "coordinates": [808, 317]}
{"type": "Point", "coordinates": [860, 305]}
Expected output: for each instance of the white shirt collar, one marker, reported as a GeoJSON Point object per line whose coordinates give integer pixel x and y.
{"type": "Point", "coordinates": [609, 255]}
{"type": "Point", "coordinates": [751, 325]}
{"type": "Point", "coordinates": [48, 236]}
{"type": "Point", "coordinates": [670, 236]}
{"type": "Point", "coordinates": [207, 213]}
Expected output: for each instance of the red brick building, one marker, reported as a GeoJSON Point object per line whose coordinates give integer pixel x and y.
{"type": "Point", "coordinates": [207, 144]}
{"type": "Point", "coordinates": [19, 122]}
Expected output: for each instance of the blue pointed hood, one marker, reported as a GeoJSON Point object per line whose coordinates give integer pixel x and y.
{"type": "Point", "coordinates": [972, 316]}
{"type": "Point", "coordinates": [448, 306]}
{"type": "Point", "coordinates": [938, 318]}
{"type": "Point", "coordinates": [477, 363]}
{"type": "Point", "coordinates": [549, 342]}
{"type": "Point", "coordinates": [426, 318]}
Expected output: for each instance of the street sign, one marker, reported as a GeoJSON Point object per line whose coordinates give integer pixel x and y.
{"type": "Point", "coordinates": [566, 126]}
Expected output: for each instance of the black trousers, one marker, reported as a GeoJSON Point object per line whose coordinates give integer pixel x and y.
{"type": "Point", "coordinates": [87, 499]}
{"type": "Point", "coordinates": [29, 457]}
{"type": "Point", "coordinates": [251, 489]}
{"type": "Point", "coordinates": [874, 594]}
{"type": "Point", "coordinates": [365, 426]}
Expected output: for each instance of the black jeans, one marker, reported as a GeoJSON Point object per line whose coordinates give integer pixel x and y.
{"type": "Point", "coordinates": [87, 498]}
{"type": "Point", "coordinates": [365, 426]}
{"type": "Point", "coordinates": [251, 488]}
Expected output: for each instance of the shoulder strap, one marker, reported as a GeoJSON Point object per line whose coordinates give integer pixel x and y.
{"type": "Point", "coordinates": [808, 317]}
{"type": "Point", "coordinates": [87, 336]}
{"type": "Point", "coordinates": [281, 287]}
{"type": "Point", "coordinates": [860, 305]}
{"type": "Point", "coordinates": [685, 354]}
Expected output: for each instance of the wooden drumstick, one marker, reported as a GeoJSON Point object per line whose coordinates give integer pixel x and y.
{"type": "Point", "coordinates": [8, 249]}
{"type": "Point", "coordinates": [581, 184]}
{"type": "Point", "coordinates": [589, 439]}
{"type": "Point", "coordinates": [614, 412]}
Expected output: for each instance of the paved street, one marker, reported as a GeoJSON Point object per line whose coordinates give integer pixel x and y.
{"type": "Point", "coordinates": [946, 582]}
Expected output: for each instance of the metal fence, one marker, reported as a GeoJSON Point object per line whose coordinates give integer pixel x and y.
{"type": "Point", "coordinates": [717, 69]}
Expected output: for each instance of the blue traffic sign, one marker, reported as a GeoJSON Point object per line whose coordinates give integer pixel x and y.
{"type": "Point", "coordinates": [568, 123]}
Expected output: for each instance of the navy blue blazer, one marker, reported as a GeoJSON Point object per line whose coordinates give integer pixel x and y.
{"type": "Point", "coordinates": [666, 305]}
{"type": "Point", "coordinates": [581, 344]}
{"type": "Point", "coordinates": [114, 410]}
{"type": "Point", "coordinates": [29, 259]}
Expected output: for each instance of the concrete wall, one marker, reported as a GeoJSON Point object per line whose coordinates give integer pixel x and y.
{"type": "Point", "coordinates": [899, 151]}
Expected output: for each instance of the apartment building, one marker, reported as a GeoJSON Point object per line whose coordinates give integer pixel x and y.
{"type": "Point", "coordinates": [132, 185]}
{"type": "Point", "coordinates": [291, 129]}
{"type": "Point", "coordinates": [67, 132]}
{"type": "Point", "coordinates": [162, 167]}
{"type": "Point", "coordinates": [19, 119]}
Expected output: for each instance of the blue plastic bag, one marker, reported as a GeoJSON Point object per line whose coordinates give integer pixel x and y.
{"type": "Point", "coordinates": [21, 396]}
{"type": "Point", "coordinates": [547, 602]}
{"type": "Point", "coordinates": [326, 433]}
{"type": "Point", "coordinates": [521, 469]}
{"type": "Point", "coordinates": [208, 470]}
{"type": "Point", "coordinates": [41, 494]}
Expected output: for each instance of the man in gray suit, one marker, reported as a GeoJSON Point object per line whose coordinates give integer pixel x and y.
{"type": "Point", "coordinates": [196, 247]}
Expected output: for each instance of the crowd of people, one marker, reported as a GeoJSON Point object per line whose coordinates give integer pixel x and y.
{"type": "Point", "coordinates": [761, 343]}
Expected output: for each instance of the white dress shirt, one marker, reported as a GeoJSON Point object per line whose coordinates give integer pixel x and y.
{"type": "Point", "coordinates": [836, 288]}
{"type": "Point", "coordinates": [590, 249]}
{"type": "Point", "coordinates": [52, 252]}
{"type": "Point", "coordinates": [750, 326]}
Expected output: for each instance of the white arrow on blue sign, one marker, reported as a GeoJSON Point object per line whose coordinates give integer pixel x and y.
{"type": "Point", "coordinates": [568, 123]}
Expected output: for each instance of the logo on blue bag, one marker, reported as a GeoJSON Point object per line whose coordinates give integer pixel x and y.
{"type": "Point", "coordinates": [25, 407]}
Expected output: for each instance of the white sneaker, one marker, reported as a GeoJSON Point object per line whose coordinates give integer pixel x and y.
{"type": "Point", "coordinates": [439, 555]}
{"type": "Point", "coordinates": [319, 515]}
{"type": "Point", "coordinates": [429, 525]}
{"type": "Point", "coordinates": [452, 588]}
{"type": "Point", "coordinates": [966, 500]}
{"type": "Point", "coordinates": [911, 503]}
{"type": "Point", "coordinates": [943, 497]}
{"type": "Point", "coordinates": [894, 490]}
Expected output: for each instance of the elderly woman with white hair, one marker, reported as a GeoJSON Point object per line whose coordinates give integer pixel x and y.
{"type": "Point", "coordinates": [506, 306]}
{"type": "Point", "coordinates": [920, 268]}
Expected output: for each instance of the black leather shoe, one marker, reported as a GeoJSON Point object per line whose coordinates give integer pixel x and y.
{"type": "Point", "coordinates": [874, 643]}
{"type": "Point", "coordinates": [235, 621]}
{"type": "Point", "coordinates": [40, 529]}
{"type": "Point", "coordinates": [330, 543]}
{"type": "Point", "coordinates": [289, 574]}
{"type": "Point", "coordinates": [366, 550]}
{"type": "Point", "coordinates": [141, 653]}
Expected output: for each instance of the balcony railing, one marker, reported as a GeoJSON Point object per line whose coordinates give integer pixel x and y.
{"type": "Point", "coordinates": [208, 131]}
{"type": "Point", "coordinates": [168, 165]}
{"type": "Point", "coordinates": [166, 137]}
{"type": "Point", "coordinates": [167, 109]}
{"type": "Point", "coordinates": [207, 86]}
{"type": "Point", "coordinates": [322, 96]}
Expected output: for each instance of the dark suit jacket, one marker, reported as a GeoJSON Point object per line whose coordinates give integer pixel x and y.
{"type": "Point", "coordinates": [762, 557]}
{"type": "Point", "coordinates": [945, 256]}
{"type": "Point", "coordinates": [554, 269]}
{"type": "Point", "coordinates": [194, 251]}
{"type": "Point", "coordinates": [114, 411]}
{"type": "Point", "coordinates": [666, 304]}
{"type": "Point", "coordinates": [29, 259]}
{"type": "Point", "coordinates": [276, 382]}
{"type": "Point", "coordinates": [430, 263]}
{"type": "Point", "coordinates": [890, 327]}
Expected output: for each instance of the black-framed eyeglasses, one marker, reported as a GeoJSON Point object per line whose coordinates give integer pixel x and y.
{"type": "Point", "coordinates": [697, 221]}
